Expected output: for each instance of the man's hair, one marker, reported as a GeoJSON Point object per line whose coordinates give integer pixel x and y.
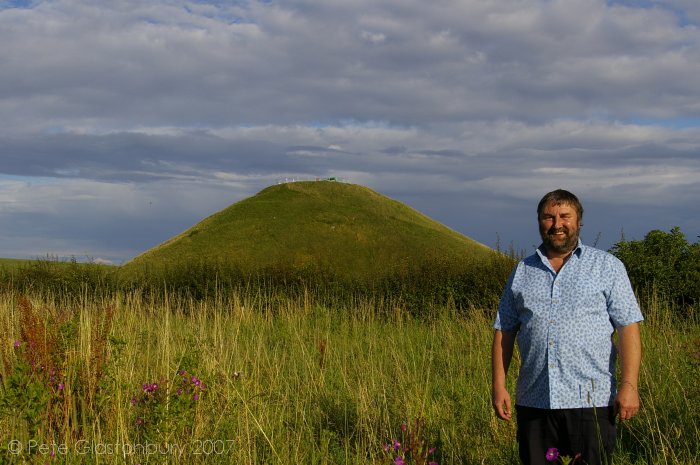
{"type": "Point", "coordinates": [561, 196]}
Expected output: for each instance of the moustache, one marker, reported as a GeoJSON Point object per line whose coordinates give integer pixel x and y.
{"type": "Point", "coordinates": [559, 230]}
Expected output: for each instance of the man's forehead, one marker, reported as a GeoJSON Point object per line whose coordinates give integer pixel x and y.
{"type": "Point", "coordinates": [559, 203]}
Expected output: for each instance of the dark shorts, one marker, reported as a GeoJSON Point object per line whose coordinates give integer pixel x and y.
{"type": "Point", "coordinates": [586, 431]}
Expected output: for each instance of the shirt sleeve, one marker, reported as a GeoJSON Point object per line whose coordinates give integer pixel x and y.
{"type": "Point", "coordinates": [507, 314]}
{"type": "Point", "coordinates": [623, 307]}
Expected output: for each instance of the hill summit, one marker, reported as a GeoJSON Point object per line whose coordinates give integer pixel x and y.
{"type": "Point", "coordinates": [331, 226]}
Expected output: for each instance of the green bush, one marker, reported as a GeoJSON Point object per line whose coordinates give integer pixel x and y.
{"type": "Point", "coordinates": [665, 265]}
{"type": "Point", "coordinates": [465, 283]}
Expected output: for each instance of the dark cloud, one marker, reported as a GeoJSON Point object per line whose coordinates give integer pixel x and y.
{"type": "Point", "coordinates": [124, 123]}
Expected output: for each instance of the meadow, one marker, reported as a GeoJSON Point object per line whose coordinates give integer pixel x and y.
{"type": "Point", "coordinates": [259, 376]}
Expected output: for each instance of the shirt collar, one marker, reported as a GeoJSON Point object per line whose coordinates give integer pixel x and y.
{"type": "Point", "coordinates": [578, 250]}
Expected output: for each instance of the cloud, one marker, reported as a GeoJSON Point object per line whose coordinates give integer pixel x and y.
{"type": "Point", "coordinates": [194, 105]}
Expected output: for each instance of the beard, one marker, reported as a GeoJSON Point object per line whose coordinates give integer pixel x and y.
{"type": "Point", "coordinates": [560, 244]}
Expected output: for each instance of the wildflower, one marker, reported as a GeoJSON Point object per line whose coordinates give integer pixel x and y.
{"type": "Point", "coordinates": [134, 401]}
{"type": "Point", "coordinates": [552, 454]}
{"type": "Point", "coordinates": [150, 387]}
{"type": "Point", "coordinates": [17, 344]}
{"type": "Point", "coordinates": [195, 397]}
{"type": "Point", "coordinates": [399, 460]}
{"type": "Point", "coordinates": [61, 386]}
{"type": "Point", "coordinates": [404, 427]}
{"type": "Point", "coordinates": [396, 444]}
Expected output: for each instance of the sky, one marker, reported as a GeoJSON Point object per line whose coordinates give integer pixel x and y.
{"type": "Point", "coordinates": [123, 123]}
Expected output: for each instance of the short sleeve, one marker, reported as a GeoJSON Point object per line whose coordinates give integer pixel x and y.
{"type": "Point", "coordinates": [623, 307]}
{"type": "Point", "coordinates": [507, 314]}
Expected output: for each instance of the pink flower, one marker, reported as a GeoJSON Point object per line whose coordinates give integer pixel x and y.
{"type": "Point", "coordinates": [552, 454]}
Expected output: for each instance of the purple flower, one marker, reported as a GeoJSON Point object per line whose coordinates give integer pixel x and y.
{"type": "Point", "coordinates": [404, 427]}
{"type": "Point", "coordinates": [150, 387]}
{"type": "Point", "coordinates": [134, 401]}
{"type": "Point", "coordinates": [195, 397]}
{"type": "Point", "coordinates": [552, 454]}
{"type": "Point", "coordinates": [396, 444]}
{"type": "Point", "coordinates": [61, 386]}
{"type": "Point", "coordinates": [399, 460]}
{"type": "Point", "coordinates": [17, 344]}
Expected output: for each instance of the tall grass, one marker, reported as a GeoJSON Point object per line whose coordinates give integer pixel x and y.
{"type": "Point", "coordinates": [290, 380]}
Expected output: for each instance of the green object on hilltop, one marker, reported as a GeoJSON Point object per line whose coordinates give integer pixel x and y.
{"type": "Point", "coordinates": [342, 229]}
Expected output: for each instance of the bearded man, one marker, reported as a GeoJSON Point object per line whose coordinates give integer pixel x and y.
{"type": "Point", "coordinates": [564, 304]}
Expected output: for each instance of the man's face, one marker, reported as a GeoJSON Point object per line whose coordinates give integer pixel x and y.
{"type": "Point", "coordinates": [559, 227]}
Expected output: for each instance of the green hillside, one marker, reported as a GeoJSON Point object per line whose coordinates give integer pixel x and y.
{"type": "Point", "coordinates": [337, 227]}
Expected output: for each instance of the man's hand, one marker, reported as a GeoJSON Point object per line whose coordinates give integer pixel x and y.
{"type": "Point", "coordinates": [630, 346]}
{"type": "Point", "coordinates": [626, 401]}
{"type": "Point", "coordinates": [501, 404]}
{"type": "Point", "coordinates": [502, 352]}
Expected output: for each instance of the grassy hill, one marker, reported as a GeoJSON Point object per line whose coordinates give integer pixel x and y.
{"type": "Point", "coordinates": [13, 263]}
{"type": "Point", "coordinates": [336, 227]}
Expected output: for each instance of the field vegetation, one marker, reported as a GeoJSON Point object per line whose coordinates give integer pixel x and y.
{"type": "Point", "coordinates": [206, 362]}
{"type": "Point", "coordinates": [255, 374]}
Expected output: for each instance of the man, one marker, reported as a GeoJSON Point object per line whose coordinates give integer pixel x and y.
{"type": "Point", "coordinates": [563, 304]}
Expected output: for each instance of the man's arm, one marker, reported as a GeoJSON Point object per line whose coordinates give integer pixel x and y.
{"type": "Point", "coordinates": [630, 348]}
{"type": "Point", "coordinates": [501, 354]}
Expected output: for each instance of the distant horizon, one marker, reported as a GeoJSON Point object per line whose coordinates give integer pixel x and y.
{"type": "Point", "coordinates": [594, 240]}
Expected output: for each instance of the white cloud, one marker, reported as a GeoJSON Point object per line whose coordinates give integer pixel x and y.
{"type": "Point", "coordinates": [191, 105]}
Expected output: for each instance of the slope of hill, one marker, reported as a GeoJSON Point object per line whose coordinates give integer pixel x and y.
{"type": "Point", "coordinates": [337, 227]}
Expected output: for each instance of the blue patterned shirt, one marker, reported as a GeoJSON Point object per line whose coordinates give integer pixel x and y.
{"type": "Point", "coordinates": [564, 323]}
